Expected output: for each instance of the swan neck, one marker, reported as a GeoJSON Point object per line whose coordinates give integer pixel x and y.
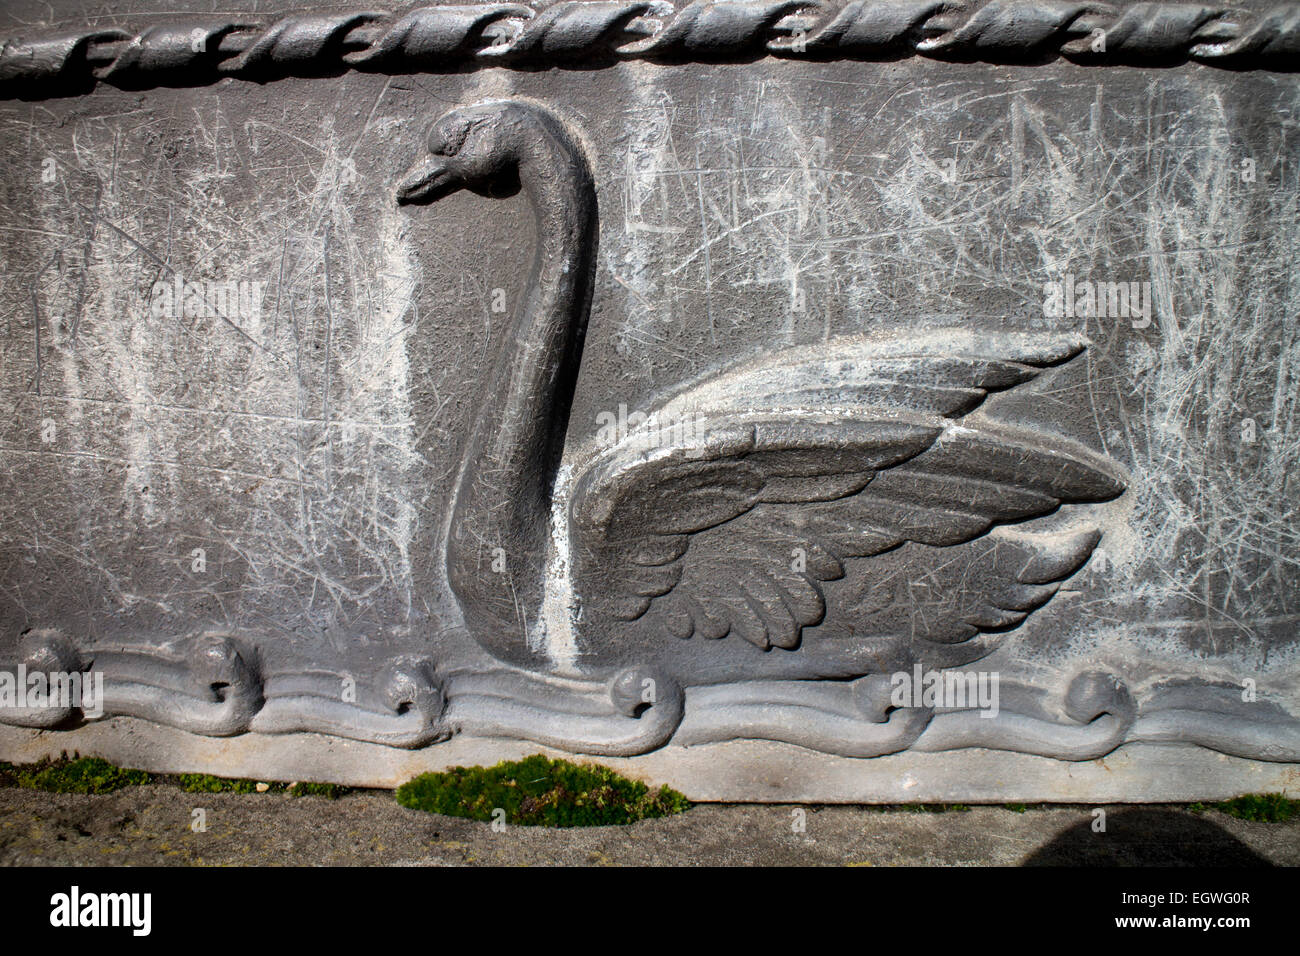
{"type": "Point", "coordinates": [504, 496]}
{"type": "Point", "coordinates": [535, 379]}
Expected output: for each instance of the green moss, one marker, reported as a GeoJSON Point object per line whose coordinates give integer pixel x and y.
{"type": "Point", "coordinates": [93, 775]}
{"type": "Point", "coordinates": [1261, 807]}
{"type": "Point", "coordinates": [1017, 807]}
{"type": "Point", "coordinates": [331, 791]}
{"type": "Point", "coordinates": [538, 791]}
{"type": "Point", "coordinates": [77, 775]}
{"type": "Point", "coordinates": [206, 783]}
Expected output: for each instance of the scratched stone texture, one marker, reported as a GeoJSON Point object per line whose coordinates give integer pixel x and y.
{"type": "Point", "coordinates": [310, 452]}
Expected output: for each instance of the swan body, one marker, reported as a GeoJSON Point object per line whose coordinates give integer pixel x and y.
{"type": "Point", "coordinates": [747, 545]}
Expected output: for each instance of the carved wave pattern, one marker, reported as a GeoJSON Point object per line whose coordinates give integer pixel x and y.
{"type": "Point", "coordinates": [214, 685]}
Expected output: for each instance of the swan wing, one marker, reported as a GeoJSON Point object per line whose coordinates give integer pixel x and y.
{"type": "Point", "coordinates": [802, 461]}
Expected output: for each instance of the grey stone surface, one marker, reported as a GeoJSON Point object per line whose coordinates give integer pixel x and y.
{"type": "Point", "coordinates": [413, 501]}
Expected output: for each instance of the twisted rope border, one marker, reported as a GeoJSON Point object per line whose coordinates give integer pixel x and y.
{"type": "Point", "coordinates": [600, 32]}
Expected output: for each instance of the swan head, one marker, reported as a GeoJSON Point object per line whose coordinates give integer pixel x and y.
{"type": "Point", "coordinates": [468, 148]}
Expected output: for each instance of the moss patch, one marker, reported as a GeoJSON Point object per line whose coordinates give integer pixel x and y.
{"type": "Point", "coordinates": [93, 775]}
{"type": "Point", "coordinates": [1261, 807]}
{"type": "Point", "coordinates": [206, 783]}
{"type": "Point", "coordinates": [78, 775]}
{"type": "Point", "coordinates": [538, 791]}
{"type": "Point", "coordinates": [330, 791]}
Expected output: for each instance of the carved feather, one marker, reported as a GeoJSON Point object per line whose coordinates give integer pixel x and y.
{"type": "Point", "coordinates": [801, 462]}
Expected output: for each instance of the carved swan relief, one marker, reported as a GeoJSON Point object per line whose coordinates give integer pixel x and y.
{"type": "Point", "coordinates": [834, 515]}
{"type": "Point", "coordinates": [720, 557]}
{"type": "Point", "coordinates": [759, 558]}
{"type": "Point", "coordinates": [751, 576]}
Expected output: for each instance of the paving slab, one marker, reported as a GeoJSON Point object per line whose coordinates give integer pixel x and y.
{"type": "Point", "coordinates": [151, 826]}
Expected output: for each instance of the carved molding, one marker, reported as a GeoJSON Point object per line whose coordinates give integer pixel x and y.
{"type": "Point", "coordinates": [210, 686]}
{"type": "Point", "coordinates": [598, 32]}
{"type": "Point", "coordinates": [214, 685]}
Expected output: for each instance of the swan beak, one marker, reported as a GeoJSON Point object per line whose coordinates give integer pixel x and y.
{"type": "Point", "coordinates": [426, 181]}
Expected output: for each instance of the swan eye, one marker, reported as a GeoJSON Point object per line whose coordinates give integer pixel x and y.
{"type": "Point", "coordinates": [444, 142]}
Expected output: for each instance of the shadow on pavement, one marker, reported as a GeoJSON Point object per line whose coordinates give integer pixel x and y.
{"type": "Point", "coordinates": [1145, 836]}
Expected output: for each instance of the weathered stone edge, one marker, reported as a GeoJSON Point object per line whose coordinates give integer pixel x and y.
{"type": "Point", "coordinates": [736, 771]}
